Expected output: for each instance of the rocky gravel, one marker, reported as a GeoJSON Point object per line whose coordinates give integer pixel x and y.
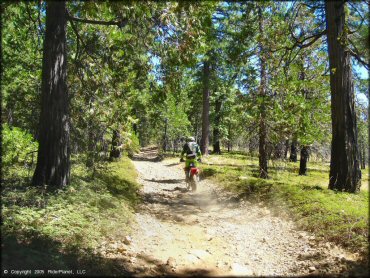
{"type": "Point", "coordinates": [210, 233]}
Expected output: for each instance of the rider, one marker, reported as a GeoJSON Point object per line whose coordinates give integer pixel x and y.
{"type": "Point", "coordinates": [192, 151]}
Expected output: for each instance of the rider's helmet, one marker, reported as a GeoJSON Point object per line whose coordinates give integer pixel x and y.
{"type": "Point", "coordinates": [190, 139]}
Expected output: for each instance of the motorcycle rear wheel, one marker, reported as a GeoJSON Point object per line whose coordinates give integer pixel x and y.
{"type": "Point", "coordinates": [193, 182]}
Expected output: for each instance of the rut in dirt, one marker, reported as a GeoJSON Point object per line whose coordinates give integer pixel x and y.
{"type": "Point", "coordinates": [210, 232]}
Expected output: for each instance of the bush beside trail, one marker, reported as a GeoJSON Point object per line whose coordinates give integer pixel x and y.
{"type": "Point", "coordinates": [64, 229]}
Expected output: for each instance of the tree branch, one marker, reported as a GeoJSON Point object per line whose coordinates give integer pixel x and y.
{"type": "Point", "coordinates": [300, 42]}
{"type": "Point", "coordinates": [315, 38]}
{"type": "Point", "coordinates": [29, 14]}
{"type": "Point", "coordinates": [314, 7]}
{"type": "Point", "coordinates": [120, 23]}
{"type": "Point", "coordinates": [362, 19]}
{"type": "Point", "coordinates": [82, 42]}
{"type": "Point", "coordinates": [39, 16]}
{"type": "Point", "coordinates": [355, 53]}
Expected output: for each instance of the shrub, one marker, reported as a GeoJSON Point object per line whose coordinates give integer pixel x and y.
{"type": "Point", "coordinates": [18, 145]}
{"type": "Point", "coordinates": [132, 145]}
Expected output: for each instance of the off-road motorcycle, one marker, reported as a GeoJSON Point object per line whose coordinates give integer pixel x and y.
{"type": "Point", "coordinates": [192, 177]}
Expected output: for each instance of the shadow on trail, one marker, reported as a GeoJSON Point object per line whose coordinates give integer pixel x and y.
{"type": "Point", "coordinates": [170, 181]}
{"type": "Point", "coordinates": [143, 158]}
{"type": "Point", "coordinates": [166, 269]}
{"type": "Point", "coordinates": [45, 254]}
{"type": "Point", "coordinates": [181, 189]}
{"type": "Point", "coordinates": [172, 164]}
{"type": "Point", "coordinates": [178, 204]}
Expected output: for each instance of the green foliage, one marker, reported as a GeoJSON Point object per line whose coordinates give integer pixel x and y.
{"type": "Point", "coordinates": [21, 40]}
{"type": "Point", "coordinates": [144, 80]}
{"type": "Point", "coordinates": [177, 120]}
{"type": "Point", "coordinates": [80, 215]}
{"type": "Point", "coordinates": [133, 145]}
{"type": "Point", "coordinates": [18, 146]}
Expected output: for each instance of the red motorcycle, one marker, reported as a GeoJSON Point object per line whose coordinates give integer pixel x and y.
{"type": "Point", "coordinates": [192, 177]}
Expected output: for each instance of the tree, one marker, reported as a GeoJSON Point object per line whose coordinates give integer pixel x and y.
{"type": "Point", "coordinates": [304, 147]}
{"type": "Point", "coordinates": [205, 112]}
{"type": "Point", "coordinates": [293, 150]}
{"type": "Point", "coordinates": [303, 160]}
{"type": "Point", "coordinates": [363, 136]}
{"type": "Point", "coordinates": [216, 129]}
{"type": "Point", "coordinates": [53, 164]}
{"type": "Point", "coordinates": [262, 131]}
{"type": "Point", "coordinates": [116, 142]}
{"type": "Point", "coordinates": [345, 174]}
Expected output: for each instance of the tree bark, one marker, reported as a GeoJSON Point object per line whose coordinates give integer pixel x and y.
{"type": "Point", "coordinates": [263, 171]}
{"type": "Point", "coordinates": [53, 163]}
{"type": "Point", "coordinates": [345, 174]}
{"type": "Point", "coordinates": [216, 129]}
{"type": "Point", "coordinates": [165, 135]}
{"type": "Point", "coordinates": [304, 149]}
{"type": "Point", "coordinates": [303, 161]}
{"type": "Point", "coordinates": [205, 114]}
{"type": "Point", "coordinates": [116, 142]}
{"type": "Point", "coordinates": [293, 151]}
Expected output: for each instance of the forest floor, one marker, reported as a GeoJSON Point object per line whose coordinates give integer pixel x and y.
{"type": "Point", "coordinates": [210, 232]}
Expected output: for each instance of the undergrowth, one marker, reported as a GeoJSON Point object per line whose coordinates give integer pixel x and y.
{"type": "Point", "coordinates": [39, 228]}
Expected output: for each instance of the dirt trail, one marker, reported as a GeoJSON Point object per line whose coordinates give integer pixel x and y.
{"type": "Point", "coordinates": [210, 233]}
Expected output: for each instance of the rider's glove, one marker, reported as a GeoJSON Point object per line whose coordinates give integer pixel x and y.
{"type": "Point", "coordinates": [181, 159]}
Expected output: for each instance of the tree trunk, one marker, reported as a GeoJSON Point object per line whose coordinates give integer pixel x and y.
{"type": "Point", "coordinates": [216, 129]}
{"type": "Point", "coordinates": [91, 146]}
{"type": "Point", "coordinates": [216, 144]}
{"type": "Point", "coordinates": [286, 149]}
{"type": "Point", "coordinates": [345, 174]}
{"type": "Point", "coordinates": [116, 142]}
{"type": "Point", "coordinates": [304, 149]}
{"type": "Point", "coordinates": [53, 163]}
{"type": "Point", "coordinates": [262, 148]}
{"type": "Point", "coordinates": [196, 128]}
{"type": "Point", "coordinates": [362, 155]}
{"type": "Point", "coordinates": [165, 139]}
{"type": "Point", "coordinates": [278, 150]}
{"type": "Point", "coordinates": [293, 151]}
{"type": "Point", "coordinates": [262, 94]}
{"type": "Point", "coordinates": [205, 114]}
{"type": "Point", "coordinates": [303, 161]}
{"type": "Point", "coordinates": [229, 138]}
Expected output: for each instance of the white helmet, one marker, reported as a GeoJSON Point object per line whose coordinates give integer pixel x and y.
{"type": "Point", "coordinates": [190, 139]}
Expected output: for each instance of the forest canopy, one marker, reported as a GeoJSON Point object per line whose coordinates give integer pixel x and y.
{"type": "Point", "coordinates": [95, 79]}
